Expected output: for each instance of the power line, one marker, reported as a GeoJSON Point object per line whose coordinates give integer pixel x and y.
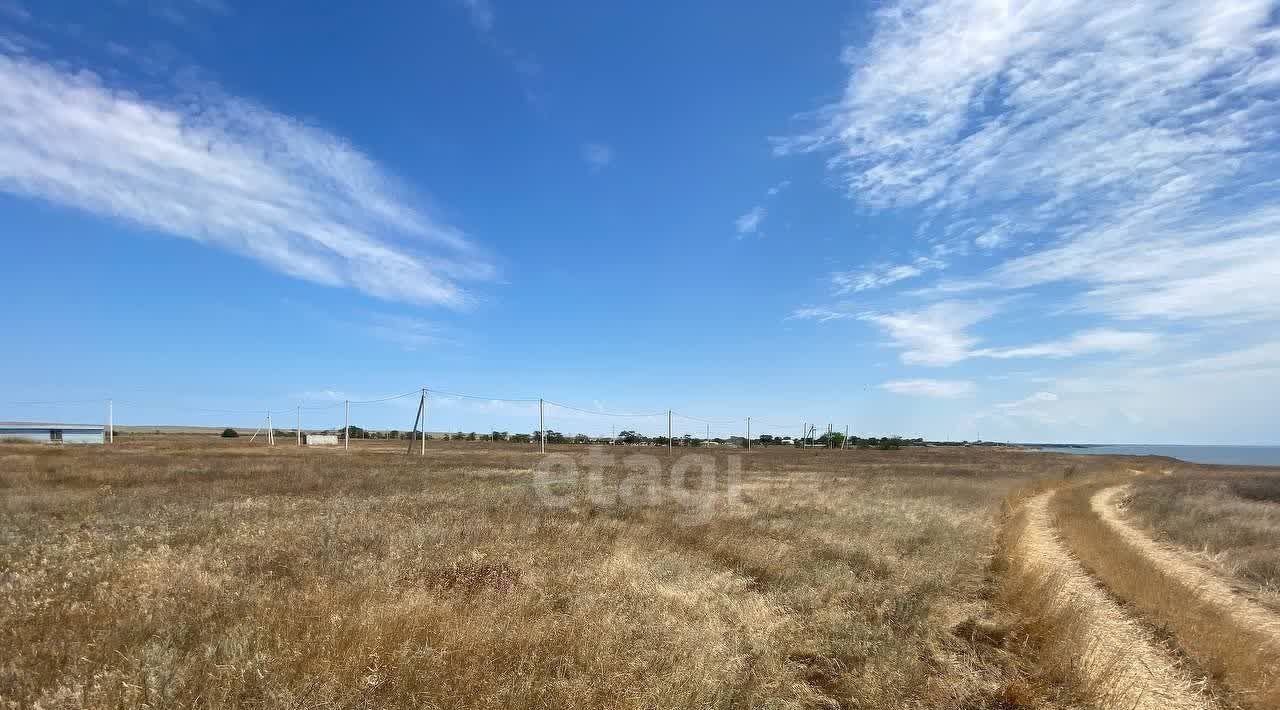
{"type": "Point", "coordinates": [603, 413]}
{"type": "Point", "coordinates": [476, 396]}
{"type": "Point", "coordinates": [387, 398]}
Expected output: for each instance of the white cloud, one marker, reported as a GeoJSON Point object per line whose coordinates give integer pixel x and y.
{"type": "Point", "coordinates": [481, 13]}
{"type": "Point", "coordinates": [935, 335]}
{"type": "Point", "coordinates": [749, 223]}
{"type": "Point", "coordinates": [776, 189]}
{"type": "Point", "coordinates": [1101, 340]}
{"type": "Point", "coordinates": [1029, 400]}
{"type": "Point", "coordinates": [822, 313]}
{"type": "Point", "coordinates": [597, 155]}
{"type": "Point", "coordinates": [1039, 407]}
{"type": "Point", "coordinates": [1264, 357]}
{"type": "Point", "coordinates": [229, 173]}
{"type": "Point", "coordinates": [943, 389]}
{"type": "Point", "coordinates": [882, 275]}
{"type": "Point", "coordinates": [997, 236]}
{"type": "Point", "coordinates": [1136, 138]}
{"type": "Point", "coordinates": [939, 335]}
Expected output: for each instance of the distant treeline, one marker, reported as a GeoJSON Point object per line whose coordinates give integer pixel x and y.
{"type": "Point", "coordinates": [833, 440]}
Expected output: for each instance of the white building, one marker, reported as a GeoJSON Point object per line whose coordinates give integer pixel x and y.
{"type": "Point", "coordinates": [320, 439]}
{"type": "Point", "coordinates": [50, 433]}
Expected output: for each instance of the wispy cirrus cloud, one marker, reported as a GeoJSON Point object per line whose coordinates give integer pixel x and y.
{"type": "Point", "coordinates": [1098, 340]}
{"type": "Point", "coordinates": [940, 389]}
{"type": "Point", "coordinates": [845, 282]}
{"type": "Point", "coordinates": [229, 173]}
{"type": "Point", "coordinates": [939, 334]}
{"type": "Point", "coordinates": [750, 221]}
{"type": "Point", "coordinates": [1135, 140]}
{"type": "Point", "coordinates": [935, 335]}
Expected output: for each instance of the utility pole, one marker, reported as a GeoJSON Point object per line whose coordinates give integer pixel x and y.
{"type": "Point", "coordinates": [271, 434]}
{"type": "Point", "coordinates": [424, 422]}
{"type": "Point", "coordinates": [804, 434]}
{"type": "Point", "coordinates": [422, 401]}
{"type": "Point", "coordinates": [298, 429]}
{"type": "Point", "coordinates": [748, 433]}
{"type": "Point", "coordinates": [845, 444]}
{"type": "Point", "coordinates": [111, 422]}
{"type": "Point", "coordinates": [542, 430]}
{"type": "Point", "coordinates": [828, 435]}
{"type": "Point", "coordinates": [708, 433]}
{"type": "Point", "coordinates": [346, 425]}
{"type": "Point", "coordinates": [669, 444]}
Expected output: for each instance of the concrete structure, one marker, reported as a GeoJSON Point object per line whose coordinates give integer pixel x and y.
{"type": "Point", "coordinates": [320, 439]}
{"type": "Point", "coordinates": [51, 433]}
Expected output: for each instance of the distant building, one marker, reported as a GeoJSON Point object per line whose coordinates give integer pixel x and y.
{"type": "Point", "coordinates": [320, 439]}
{"type": "Point", "coordinates": [49, 433]}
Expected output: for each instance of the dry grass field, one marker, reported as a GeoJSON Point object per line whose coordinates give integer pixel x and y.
{"type": "Point", "coordinates": [195, 572]}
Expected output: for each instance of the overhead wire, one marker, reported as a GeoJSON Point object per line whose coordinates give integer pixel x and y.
{"type": "Point", "coordinates": [431, 391]}
{"type": "Point", "coordinates": [601, 412]}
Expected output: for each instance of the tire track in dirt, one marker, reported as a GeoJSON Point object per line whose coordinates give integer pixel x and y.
{"type": "Point", "coordinates": [1120, 665]}
{"type": "Point", "coordinates": [1209, 587]}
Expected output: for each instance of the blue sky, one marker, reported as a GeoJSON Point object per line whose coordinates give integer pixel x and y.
{"type": "Point", "coordinates": [947, 218]}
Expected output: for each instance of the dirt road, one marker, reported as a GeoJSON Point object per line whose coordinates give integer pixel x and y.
{"type": "Point", "coordinates": [1121, 666]}
{"type": "Point", "coordinates": [1209, 587]}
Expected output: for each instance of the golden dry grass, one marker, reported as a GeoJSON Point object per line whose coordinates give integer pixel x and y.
{"type": "Point", "coordinates": [185, 572]}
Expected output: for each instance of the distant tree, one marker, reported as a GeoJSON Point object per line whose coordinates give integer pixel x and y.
{"type": "Point", "coordinates": [581, 439]}
{"type": "Point", "coordinates": [890, 443]}
{"type": "Point", "coordinates": [471, 436]}
{"type": "Point", "coordinates": [459, 436]}
{"type": "Point", "coordinates": [395, 434]}
{"type": "Point", "coordinates": [499, 436]}
{"type": "Point", "coordinates": [766, 439]}
{"type": "Point", "coordinates": [520, 438]}
{"type": "Point", "coordinates": [230, 433]}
